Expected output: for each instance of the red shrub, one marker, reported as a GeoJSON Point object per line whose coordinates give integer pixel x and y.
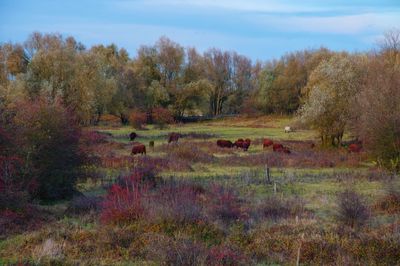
{"type": "Point", "coordinates": [162, 117]}
{"type": "Point", "coordinates": [179, 202]}
{"type": "Point", "coordinates": [124, 204]}
{"type": "Point", "coordinates": [225, 256]}
{"type": "Point", "coordinates": [138, 119]}
{"type": "Point", "coordinates": [223, 204]}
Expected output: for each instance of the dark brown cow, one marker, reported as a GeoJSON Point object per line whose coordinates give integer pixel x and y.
{"type": "Point", "coordinates": [267, 143]}
{"type": "Point", "coordinates": [238, 143]}
{"type": "Point", "coordinates": [277, 147]}
{"type": "Point", "coordinates": [224, 143]}
{"type": "Point", "coordinates": [356, 148]}
{"type": "Point", "coordinates": [280, 148]}
{"type": "Point", "coordinates": [132, 136]}
{"type": "Point", "coordinates": [244, 144]}
{"type": "Point", "coordinates": [138, 148]}
{"type": "Point", "coordinates": [173, 137]}
{"type": "Point", "coordinates": [286, 150]}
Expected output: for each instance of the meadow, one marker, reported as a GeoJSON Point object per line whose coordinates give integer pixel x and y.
{"type": "Point", "coordinates": [193, 203]}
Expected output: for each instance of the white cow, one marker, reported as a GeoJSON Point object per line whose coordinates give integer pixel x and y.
{"type": "Point", "coordinates": [288, 129]}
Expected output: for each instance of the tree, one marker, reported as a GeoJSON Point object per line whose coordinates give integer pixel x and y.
{"type": "Point", "coordinates": [192, 97]}
{"type": "Point", "coordinates": [333, 85]}
{"type": "Point", "coordinates": [241, 82]}
{"type": "Point", "coordinates": [170, 62]}
{"type": "Point", "coordinates": [378, 110]}
{"type": "Point", "coordinates": [218, 67]}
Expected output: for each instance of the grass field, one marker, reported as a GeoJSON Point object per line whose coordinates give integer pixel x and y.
{"type": "Point", "coordinates": [298, 209]}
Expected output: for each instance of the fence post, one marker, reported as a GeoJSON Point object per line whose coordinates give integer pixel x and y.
{"type": "Point", "coordinates": [267, 174]}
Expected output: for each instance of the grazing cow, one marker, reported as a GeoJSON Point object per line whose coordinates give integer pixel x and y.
{"type": "Point", "coordinates": [132, 136]}
{"type": "Point", "coordinates": [267, 143]}
{"type": "Point", "coordinates": [356, 148]}
{"type": "Point", "coordinates": [277, 147]}
{"type": "Point", "coordinates": [288, 129]}
{"type": "Point", "coordinates": [224, 143]}
{"type": "Point", "coordinates": [286, 150]}
{"type": "Point", "coordinates": [138, 148]}
{"type": "Point", "coordinates": [173, 137]}
{"type": "Point", "coordinates": [238, 143]}
{"type": "Point", "coordinates": [244, 144]}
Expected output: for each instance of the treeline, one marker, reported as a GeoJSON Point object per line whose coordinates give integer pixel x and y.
{"type": "Point", "coordinates": [106, 80]}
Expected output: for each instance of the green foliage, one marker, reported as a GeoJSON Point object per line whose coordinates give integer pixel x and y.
{"type": "Point", "coordinates": [332, 87]}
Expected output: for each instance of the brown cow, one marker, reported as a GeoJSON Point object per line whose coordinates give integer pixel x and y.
{"type": "Point", "coordinates": [277, 147]}
{"type": "Point", "coordinates": [173, 137]}
{"type": "Point", "coordinates": [132, 136]}
{"type": "Point", "coordinates": [138, 148]}
{"type": "Point", "coordinates": [224, 143]}
{"type": "Point", "coordinates": [238, 143]}
{"type": "Point", "coordinates": [286, 150]}
{"type": "Point", "coordinates": [267, 143]}
{"type": "Point", "coordinates": [356, 148]}
{"type": "Point", "coordinates": [280, 148]}
{"type": "Point", "coordinates": [244, 144]}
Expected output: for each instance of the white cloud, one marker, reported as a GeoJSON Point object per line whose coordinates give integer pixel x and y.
{"type": "Point", "coordinates": [239, 5]}
{"type": "Point", "coordinates": [340, 24]}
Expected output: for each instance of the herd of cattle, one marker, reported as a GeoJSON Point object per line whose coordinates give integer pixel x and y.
{"type": "Point", "coordinates": [244, 144]}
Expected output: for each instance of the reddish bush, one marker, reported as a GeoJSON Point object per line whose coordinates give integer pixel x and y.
{"type": "Point", "coordinates": [124, 204]}
{"type": "Point", "coordinates": [223, 255]}
{"type": "Point", "coordinates": [355, 148]}
{"type": "Point", "coordinates": [138, 119]}
{"type": "Point", "coordinates": [50, 136]}
{"type": "Point", "coordinates": [179, 202]}
{"type": "Point", "coordinates": [162, 117]}
{"type": "Point", "coordinates": [223, 204]}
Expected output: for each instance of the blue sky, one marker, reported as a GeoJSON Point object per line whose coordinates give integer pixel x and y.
{"type": "Point", "coordinates": [260, 29]}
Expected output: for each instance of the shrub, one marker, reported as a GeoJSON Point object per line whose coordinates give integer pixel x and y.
{"type": "Point", "coordinates": [124, 204]}
{"type": "Point", "coordinates": [147, 174]}
{"type": "Point", "coordinates": [390, 203]}
{"type": "Point", "coordinates": [352, 210]}
{"type": "Point", "coordinates": [190, 152]}
{"type": "Point", "coordinates": [162, 117]}
{"type": "Point", "coordinates": [178, 201]}
{"type": "Point", "coordinates": [49, 136]}
{"type": "Point", "coordinates": [276, 208]}
{"type": "Point", "coordinates": [223, 255]}
{"type": "Point", "coordinates": [138, 119]}
{"type": "Point", "coordinates": [181, 251]}
{"type": "Point", "coordinates": [223, 204]}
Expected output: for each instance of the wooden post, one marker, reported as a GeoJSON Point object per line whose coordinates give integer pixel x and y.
{"type": "Point", "coordinates": [299, 250]}
{"type": "Point", "coordinates": [267, 174]}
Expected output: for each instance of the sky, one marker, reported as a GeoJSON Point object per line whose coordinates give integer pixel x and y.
{"type": "Point", "coordinates": [259, 29]}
